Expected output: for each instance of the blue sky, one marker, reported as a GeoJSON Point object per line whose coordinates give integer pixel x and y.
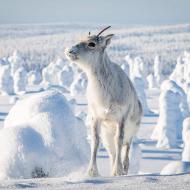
{"type": "Point", "coordinates": [127, 12]}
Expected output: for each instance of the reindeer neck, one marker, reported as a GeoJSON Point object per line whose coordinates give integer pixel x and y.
{"type": "Point", "coordinates": [99, 68]}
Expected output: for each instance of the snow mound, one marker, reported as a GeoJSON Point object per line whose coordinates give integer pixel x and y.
{"type": "Point", "coordinates": [41, 137]}
{"type": "Point", "coordinates": [186, 140]}
{"type": "Point", "coordinates": [176, 167]}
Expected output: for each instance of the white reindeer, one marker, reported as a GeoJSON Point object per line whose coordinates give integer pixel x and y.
{"type": "Point", "coordinates": [112, 102]}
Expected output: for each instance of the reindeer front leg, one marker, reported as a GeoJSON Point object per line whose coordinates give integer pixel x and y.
{"type": "Point", "coordinates": [117, 167]}
{"type": "Point", "coordinates": [92, 169]}
{"type": "Point", "coordinates": [126, 158]}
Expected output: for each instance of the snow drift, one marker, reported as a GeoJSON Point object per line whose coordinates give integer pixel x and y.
{"type": "Point", "coordinates": [176, 167]}
{"type": "Point", "coordinates": [41, 137]}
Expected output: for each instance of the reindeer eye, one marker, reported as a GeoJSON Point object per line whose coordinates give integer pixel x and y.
{"type": "Point", "coordinates": [91, 44]}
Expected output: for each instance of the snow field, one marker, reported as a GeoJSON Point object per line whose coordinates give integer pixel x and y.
{"type": "Point", "coordinates": [57, 132]}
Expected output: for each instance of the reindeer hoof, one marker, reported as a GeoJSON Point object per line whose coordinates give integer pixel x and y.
{"type": "Point", "coordinates": [125, 171]}
{"type": "Point", "coordinates": [93, 172]}
{"type": "Point", "coordinates": [117, 171]}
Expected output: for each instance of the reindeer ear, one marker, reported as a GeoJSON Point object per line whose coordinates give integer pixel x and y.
{"type": "Point", "coordinates": [108, 38]}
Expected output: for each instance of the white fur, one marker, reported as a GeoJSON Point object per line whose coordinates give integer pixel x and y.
{"type": "Point", "coordinates": [112, 103]}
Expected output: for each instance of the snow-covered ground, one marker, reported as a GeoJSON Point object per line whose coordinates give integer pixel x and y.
{"type": "Point", "coordinates": [152, 161]}
{"type": "Point", "coordinates": [41, 45]}
{"type": "Point", "coordinates": [149, 182]}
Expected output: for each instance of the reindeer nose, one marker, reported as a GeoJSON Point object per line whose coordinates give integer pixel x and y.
{"type": "Point", "coordinates": [73, 50]}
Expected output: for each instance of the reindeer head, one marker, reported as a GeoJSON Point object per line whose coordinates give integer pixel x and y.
{"type": "Point", "coordinates": [90, 50]}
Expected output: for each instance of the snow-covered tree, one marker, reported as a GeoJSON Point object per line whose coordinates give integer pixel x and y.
{"type": "Point", "coordinates": [140, 89]}
{"type": "Point", "coordinates": [79, 85]}
{"type": "Point", "coordinates": [140, 68]}
{"type": "Point", "coordinates": [158, 68]}
{"type": "Point", "coordinates": [16, 61]}
{"type": "Point", "coordinates": [6, 80]}
{"type": "Point", "coordinates": [51, 73]}
{"type": "Point", "coordinates": [20, 80]}
{"type": "Point", "coordinates": [66, 76]}
{"type": "Point", "coordinates": [151, 81]}
{"type": "Point", "coordinates": [34, 77]}
{"type": "Point", "coordinates": [129, 61]}
{"type": "Point", "coordinates": [173, 109]}
{"type": "Point", "coordinates": [181, 73]}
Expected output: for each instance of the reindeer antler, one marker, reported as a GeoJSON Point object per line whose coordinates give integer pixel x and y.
{"type": "Point", "coordinates": [103, 30]}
